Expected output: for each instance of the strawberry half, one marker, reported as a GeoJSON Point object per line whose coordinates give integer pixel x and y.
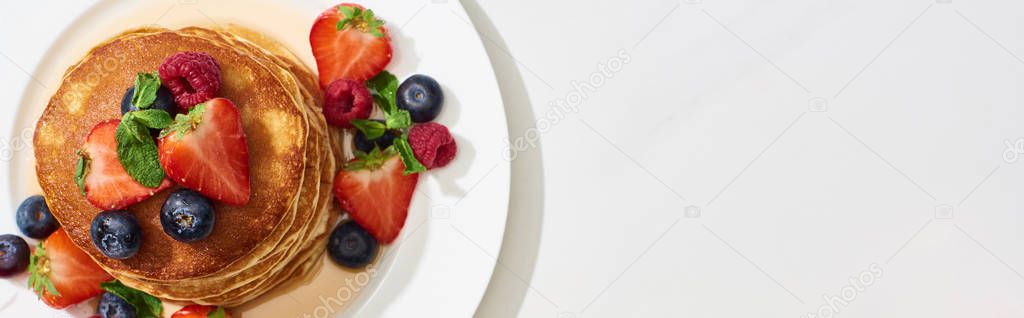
{"type": "Point", "coordinates": [200, 311]}
{"type": "Point", "coordinates": [349, 42]}
{"type": "Point", "coordinates": [376, 193]}
{"type": "Point", "coordinates": [106, 184]}
{"type": "Point", "coordinates": [205, 150]}
{"type": "Point", "coordinates": [62, 274]}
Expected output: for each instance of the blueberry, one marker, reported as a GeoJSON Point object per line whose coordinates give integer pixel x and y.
{"type": "Point", "coordinates": [13, 255]}
{"type": "Point", "coordinates": [126, 101]}
{"type": "Point", "coordinates": [386, 140]}
{"type": "Point", "coordinates": [422, 97]}
{"type": "Point", "coordinates": [351, 246]}
{"type": "Point", "coordinates": [113, 306]}
{"type": "Point", "coordinates": [34, 218]}
{"type": "Point", "coordinates": [383, 142]}
{"type": "Point", "coordinates": [116, 234]}
{"type": "Point", "coordinates": [361, 143]}
{"type": "Point", "coordinates": [187, 216]}
{"type": "Point", "coordinates": [164, 101]}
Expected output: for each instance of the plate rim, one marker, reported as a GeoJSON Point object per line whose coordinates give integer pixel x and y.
{"type": "Point", "coordinates": [359, 305]}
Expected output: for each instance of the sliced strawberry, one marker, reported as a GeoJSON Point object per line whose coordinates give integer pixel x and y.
{"type": "Point", "coordinates": [106, 184]}
{"type": "Point", "coordinates": [62, 274]}
{"type": "Point", "coordinates": [357, 51]}
{"type": "Point", "coordinates": [200, 311]}
{"type": "Point", "coordinates": [376, 193]}
{"type": "Point", "coordinates": [206, 151]}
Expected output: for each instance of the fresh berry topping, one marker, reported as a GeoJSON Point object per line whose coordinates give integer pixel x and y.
{"type": "Point", "coordinates": [206, 151]}
{"type": "Point", "coordinates": [193, 77]}
{"type": "Point", "coordinates": [62, 274]}
{"type": "Point", "coordinates": [351, 246]}
{"type": "Point", "coordinates": [383, 142]}
{"type": "Point", "coordinates": [346, 100]}
{"type": "Point", "coordinates": [364, 144]}
{"type": "Point", "coordinates": [34, 218]}
{"type": "Point", "coordinates": [101, 176]}
{"type": "Point", "coordinates": [422, 97]}
{"type": "Point", "coordinates": [164, 101]}
{"type": "Point", "coordinates": [200, 311]}
{"type": "Point", "coordinates": [349, 43]}
{"type": "Point", "coordinates": [113, 306]}
{"type": "Point", "coordinates": [187, 216]}
{"type": "Point", "coordinates": [433, 145]}
{"type": "Point", "coordinates": [13, 255]}
{"type": "Point", "coordinates": [140, 303]}
{"type": "Point", "coordinates": [116, 234]}
{"type": "Point", "coordinates": [376, 193]}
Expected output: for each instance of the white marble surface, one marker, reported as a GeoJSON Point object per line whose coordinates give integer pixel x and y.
{"type": "Point", "coordinates": [748, 160]}
{"type": "Point", "coordinates": [817, 139]}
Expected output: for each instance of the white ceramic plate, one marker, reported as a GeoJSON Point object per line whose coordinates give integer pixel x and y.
{"type": "Point", "coordinates": [441, 265]}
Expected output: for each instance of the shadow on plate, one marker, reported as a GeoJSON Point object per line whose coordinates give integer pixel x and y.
{"type": "Point", "coordinates": [513, 274]}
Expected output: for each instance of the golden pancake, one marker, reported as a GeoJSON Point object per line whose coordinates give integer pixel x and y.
{"type": "Point", "coordinates": [276, 120]}
{"type": "Point", "coordinates": [267, 267]}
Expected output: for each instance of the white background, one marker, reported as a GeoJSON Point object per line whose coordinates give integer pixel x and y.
{"type": "Point", "coordinates": [813, 141]}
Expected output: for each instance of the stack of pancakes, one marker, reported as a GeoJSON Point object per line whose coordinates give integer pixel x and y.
{"type": "Point", "coordinates": [280, 235]}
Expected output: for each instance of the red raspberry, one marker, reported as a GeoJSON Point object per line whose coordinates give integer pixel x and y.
{"type": "Point", "coordinates": [193, 77]}
{"type": "Point", "coordinates": [432, 144]}
{"type": "Point", "coordinates": [346, 100]}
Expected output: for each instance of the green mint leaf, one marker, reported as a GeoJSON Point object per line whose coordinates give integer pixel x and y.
{"type": "Point", "coordinates": [146, 306]}
{"type": "Point", "coordinates": [382, 103]}
{"type": "Point", "coordinates": [132, 127]}
{"type": "Point", "coordinates": [81, 170]}
{"type": "Point", "coordinates": [217, 313]}
{"type": "Point", "coordinates": [384, 86]}
{"type": "Point", "coordinates": [371, 128]}
{"type": "Point", "coordinates": [408, 158]}
{"type": "Point", "coordinates": [153, 118]}
{"type": "Point", "coordinates": [137, 152]}
{"type": "Point", "coordinates": [146, 85]}
{"type": "Point", "coordinates": [399, 119]}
